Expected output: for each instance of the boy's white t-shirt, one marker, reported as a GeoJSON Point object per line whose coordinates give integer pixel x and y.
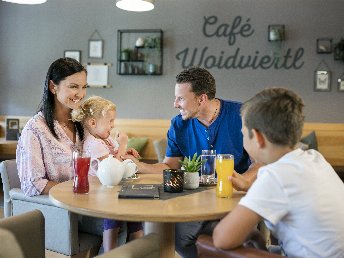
{"type": "Point", "coordinates": [300, 197]}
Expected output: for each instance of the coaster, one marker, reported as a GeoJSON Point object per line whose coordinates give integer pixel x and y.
{"type": "Point", "coordinates": [207, 184]}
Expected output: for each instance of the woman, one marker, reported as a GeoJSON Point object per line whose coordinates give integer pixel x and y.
{"type": "Point", "coordinates": [44, 151]}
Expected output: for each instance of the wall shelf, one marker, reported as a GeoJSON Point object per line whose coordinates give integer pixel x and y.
{"type": "Point", "coordinates": [139, 52]}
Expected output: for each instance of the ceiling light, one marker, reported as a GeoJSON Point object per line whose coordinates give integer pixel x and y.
{"type": "Point", "coordinates": [135, 5]}
{"type": "Point", "coordinates": [25, 1]}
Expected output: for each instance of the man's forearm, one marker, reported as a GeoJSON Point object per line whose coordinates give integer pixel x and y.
{"type": "Point", "coordinates": [151, 168]}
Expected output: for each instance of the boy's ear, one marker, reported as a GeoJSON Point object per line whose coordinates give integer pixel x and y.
{"type": "Point", "coordinates": [259, 138]}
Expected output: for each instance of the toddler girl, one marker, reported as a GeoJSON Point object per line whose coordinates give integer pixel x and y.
{"type": "Point", "coordinates": [97, 115]}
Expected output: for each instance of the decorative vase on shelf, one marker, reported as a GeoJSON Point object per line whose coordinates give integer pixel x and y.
{"type": "Point", "coordinates": [139, 42]}
{"type": "Point", "coordinates": [151, 68]}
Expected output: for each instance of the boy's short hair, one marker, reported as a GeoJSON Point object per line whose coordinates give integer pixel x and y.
{"type": "Point", "coordinates": [202, 82]}
{"type": "Point", "coordinates": [277, 113]}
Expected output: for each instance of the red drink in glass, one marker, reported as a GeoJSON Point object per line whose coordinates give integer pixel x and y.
{"type": "Point", "coordinates": [81, 166]}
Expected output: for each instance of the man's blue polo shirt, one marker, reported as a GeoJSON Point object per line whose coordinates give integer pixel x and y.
{"type": "Point", "coordinates": [186, 137]}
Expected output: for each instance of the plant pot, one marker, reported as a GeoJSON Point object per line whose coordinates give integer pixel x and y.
{"type": "Point", "coordinates": [124, 56]}
{"type": "Point", "coordinates": [191, 180]}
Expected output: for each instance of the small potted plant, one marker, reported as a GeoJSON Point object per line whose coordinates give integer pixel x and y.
{"type": "Point", "coordinates": [125, 54]}
{"type": "Point", "coordinates": [191, 167]}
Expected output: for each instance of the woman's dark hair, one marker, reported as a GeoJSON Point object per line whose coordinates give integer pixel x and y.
{"type": "Point", "coordinates": [57, 72]}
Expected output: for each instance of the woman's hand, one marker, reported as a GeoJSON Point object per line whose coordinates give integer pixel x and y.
{"type": "Point", "coordinates": [132, 151]}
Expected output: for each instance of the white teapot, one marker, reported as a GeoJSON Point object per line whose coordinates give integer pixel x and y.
{"type": "Point", "coordinates": [110, 170]}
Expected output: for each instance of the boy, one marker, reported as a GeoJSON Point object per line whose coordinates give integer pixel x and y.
{"type": "Point", "coordinates": [297, 193]}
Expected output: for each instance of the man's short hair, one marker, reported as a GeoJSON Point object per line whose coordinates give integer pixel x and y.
{"type": "Point", "coordinates": [202, 82]}
{"type": "Point", "coordinates": [277, 113]}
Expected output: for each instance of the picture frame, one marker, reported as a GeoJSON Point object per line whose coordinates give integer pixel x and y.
{"type": "Point", "coordinates": [75, 54]}
{"type": "Point", "coordinates": [98, 75]}
{"type": "Point", "coordinates": [338, 50]}
{"type": "Point", "coordinates": [12, 129]}
{"type": "Point", "coordinates": [324, 45]}
{"type": "Point", "coordinates": [341, 83]}
{"type": "Point", "coordinates": [322, 80]}
{"type": "Point", "coordinates": [95, 48]}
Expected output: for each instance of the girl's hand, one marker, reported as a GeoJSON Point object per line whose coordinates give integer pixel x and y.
{"type": "Point", "coordinates": [122, 139]}
{"type": "Point", "coordinates": [132, 151]}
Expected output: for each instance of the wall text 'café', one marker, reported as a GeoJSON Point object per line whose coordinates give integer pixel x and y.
{"type": "Point", "coordinates": [235, 58]}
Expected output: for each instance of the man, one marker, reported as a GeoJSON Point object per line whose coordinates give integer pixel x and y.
{"type": "Point", "coordinates": [204, 123]}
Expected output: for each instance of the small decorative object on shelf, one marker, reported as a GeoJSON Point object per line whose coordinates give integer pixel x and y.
{"type": "Point", "coordinates": [125, 54]}
{"type": "Point", "coordinates": [139, 52]}
{"type": "Point", "coordinates": [139, 42]}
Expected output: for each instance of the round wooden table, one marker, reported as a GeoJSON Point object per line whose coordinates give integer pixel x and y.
{"type": "Point", "coordinates": [159, 215]}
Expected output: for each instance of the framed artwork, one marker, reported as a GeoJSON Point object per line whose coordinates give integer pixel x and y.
{"type": "Point", "coordinates": [324, 46]}
{"type": "Point", "coordinates": [322, 81]}
{"type": "Point", "coordinates": [97, 75]}
{"type": "Point", "coordinates": [95, 48]}
{"type": "Point", "coordinates": [76, 54]}
{"type": "Point", "coordinates": [339, 50]}
{"type": "Point", "coordinates": [12, 129]}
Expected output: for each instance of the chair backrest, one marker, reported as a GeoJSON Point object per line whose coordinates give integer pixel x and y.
{"type": "Point", "coordinates": [160, 148]}
{"type": "Point", "coordinates": [144, 247]}
{"type": "Point", "coordinates": [28, 231]}
{"type": "Point", "coordinates": [10, 180]}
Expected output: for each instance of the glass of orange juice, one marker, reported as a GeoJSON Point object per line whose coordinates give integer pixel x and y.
{"type": "Point", "coordinates": [224, 169]}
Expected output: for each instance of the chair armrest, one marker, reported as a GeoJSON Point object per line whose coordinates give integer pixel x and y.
{"type": "Point", "coordinates": [147, 246]}
{"type": "Point", "coordinates": [206, 249]}
{"type": "Point", "coordinates": [18, 194]}
{"type": "Point", "coordinates": [59, 223]}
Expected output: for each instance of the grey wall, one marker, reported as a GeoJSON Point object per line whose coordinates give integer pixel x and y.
{"type": "Point", "coordinates": [31, 37]}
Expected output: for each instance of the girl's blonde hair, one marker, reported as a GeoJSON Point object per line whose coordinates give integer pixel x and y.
{"type": "Point", "coordinates": [93, 107]}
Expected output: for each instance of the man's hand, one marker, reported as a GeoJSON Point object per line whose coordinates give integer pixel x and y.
{"type": "Point", "coordinates": [132, 151]}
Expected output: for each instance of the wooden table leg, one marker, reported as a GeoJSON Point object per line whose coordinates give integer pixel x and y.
{"type": "Point", "coordinates": [166, 231]}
